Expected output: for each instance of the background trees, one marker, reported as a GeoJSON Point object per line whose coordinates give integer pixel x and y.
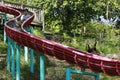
{"type": "Point", "coordinates": [70, 16]}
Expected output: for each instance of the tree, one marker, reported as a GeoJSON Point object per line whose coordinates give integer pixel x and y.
{"type": "Point", "coordinates": [70, 16]}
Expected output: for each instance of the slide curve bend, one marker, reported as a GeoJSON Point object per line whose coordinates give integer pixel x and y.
{"type": "Point", "coordinates": [83, 59]}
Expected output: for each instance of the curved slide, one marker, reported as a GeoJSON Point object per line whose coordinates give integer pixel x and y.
{"type": "Point", "coordinates": [94, 62]}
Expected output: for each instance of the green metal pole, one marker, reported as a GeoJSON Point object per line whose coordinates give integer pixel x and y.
{"type": "Point", "coordinates": [42, 73]}
{"type": "Point", "coordinates": [68, 74]}
{"type": "Point", "coordinates": [13, 64]}
{"type": "Point", "coordinates": [8, 56]}
{"type": "Point", "coordinates": [5, 19]}
{"type": "Point", "coordinates": [69, 71]}
{"type": "Point", "coordinates": [17, 62]}
{"type": "Point", "coordinates": [97, 77]}
{"type": "Point", "coordinates": [26, 54]}
{"type": "Point", "coordinates": [26, 50]}
{"type": "Point", "coordinates": [31, 56]}
{"type": "Point", "coordinates": [32, 60]}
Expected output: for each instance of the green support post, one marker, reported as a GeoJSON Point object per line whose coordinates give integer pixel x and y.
{"type": "Point", "coordinates": [5, 19]}
{"type": "Point", "coordinates": [31, 56]}
{"type": "Point", "coordinates": [68, 77]}
{"type": "Point", "coordinates": [12, 57]}
{"type": "Point", "coordinates": [69, 71]}
{"type": "Point", "coordinates": [26, 54]}
{"type": "Point", "coordinates": [97, 77]}
{"type": "Point", "coordinates": [42, 73]}
{"type": "Point", "coordinates": [8, 56]}
{"type": "Point", "coordinates": [32, 60]}
{"type": "Point", "coordinates": [26, 50]}
{"type": "Point", "coordinates": [17, 62]}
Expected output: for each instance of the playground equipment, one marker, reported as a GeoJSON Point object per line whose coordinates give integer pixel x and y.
{"type": "Point", "coordinates": [93, 62]}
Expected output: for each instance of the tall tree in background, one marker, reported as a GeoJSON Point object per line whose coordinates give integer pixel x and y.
{"type": "Point", "coordinates": [19, 1]}
{"type": "Point", "coordinates": [69, 16]}
{"type": "Point", "coordinates": [108, 8]}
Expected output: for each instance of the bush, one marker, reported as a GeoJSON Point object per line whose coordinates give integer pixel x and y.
{"type": "Point", "coordinates": [3, 47]}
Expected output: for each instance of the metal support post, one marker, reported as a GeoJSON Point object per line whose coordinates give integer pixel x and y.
{"type": "Point", "coordinates": [42, 73]}
{"type": "Point", "coordinates": [32, 60]}
{"type": "Point", "coordinates": [12, 57]}
{"type": "Point", "coordinates": [26, 50]}
{"type": "Point", "coordinates": [17, 62]}
{"type": "Point", "coordinates": [97, 77]}
{"type": "Point", "coordinates": [26, 54]}
{"type": "Point", "coordinates": [8, 56]}
{"type": "Point", "coordinates": [69, 71]}
{"type": "Point", "coordinates": [5, 19]}
{"type": "Point", "coordinates": [68, 77]}
{"type": "Point", "coordinates": [31, 56]}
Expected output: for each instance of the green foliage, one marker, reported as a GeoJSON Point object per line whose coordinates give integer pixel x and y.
{"type": "Point", "coordinates": [19, 1]}
{"type": "Point", "coordinates": [106, 48]}
{"type": "Point", "coordinates": [106, 77]}
{"type": "Point", "coordinates": [55, 73]}
{"type": "Point", "coordinates": [94, 30]}
{"type": "Point", "coordinates": [1, 37]}
{"type": "Point", "coordinates": [68, 17]}
{"type": "Point", "coordinates": [37, 32]}
{"type": "Point", "coordinates": [3, 47]}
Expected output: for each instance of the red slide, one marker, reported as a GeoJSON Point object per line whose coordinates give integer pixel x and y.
{"type": "Point", "coordinates": [94, 62]}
